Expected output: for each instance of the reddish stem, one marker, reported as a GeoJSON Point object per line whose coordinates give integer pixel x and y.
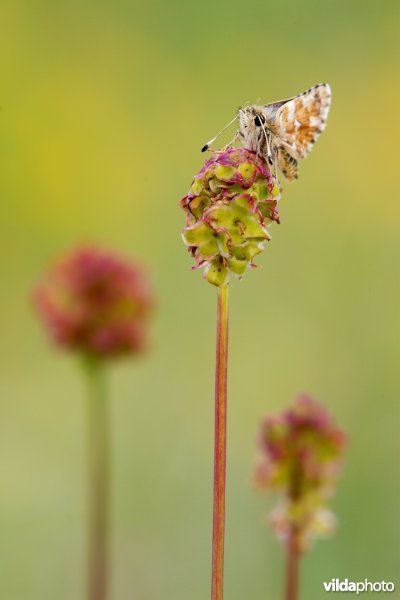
{"type": "Point", "coordinates": [217, 579]}
{"type": "Point", "coordinates": [292, 567]}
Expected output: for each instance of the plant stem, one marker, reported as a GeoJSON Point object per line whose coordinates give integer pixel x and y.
{"type": "Point", "coordinates": [217, 579]}
{"type": "Point", "coordinates": [292, 567]}
{"type": "Point", "coordinates": [98, 480]}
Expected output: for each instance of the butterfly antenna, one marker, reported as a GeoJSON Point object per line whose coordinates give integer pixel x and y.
{"type": "Point", "coordinates": [206, 146]}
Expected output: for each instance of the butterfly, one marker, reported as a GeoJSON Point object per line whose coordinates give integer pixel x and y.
{"type": "Point", "coordinates": [283, 132]}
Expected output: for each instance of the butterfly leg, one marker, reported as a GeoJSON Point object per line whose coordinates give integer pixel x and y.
{"type": "Point", "coordinates": [269, 151]}
{"type": "Point", "coordinates": [233, 140]}
{"type": "Point", "coordinates": [267, 142]}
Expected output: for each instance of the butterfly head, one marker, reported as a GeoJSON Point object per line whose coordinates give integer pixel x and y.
{"type": "Point", "coordinates": [252, 122]}
{"type": "Point", "coordinates": [251, 117]}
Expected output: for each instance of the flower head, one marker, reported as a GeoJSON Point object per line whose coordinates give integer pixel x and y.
{"type": "Point", "coordinates": [231, 202]}
{"type": "Point", "coordinates": [301, 452]}
{"type": "Point", "coordinates": [96, 303]}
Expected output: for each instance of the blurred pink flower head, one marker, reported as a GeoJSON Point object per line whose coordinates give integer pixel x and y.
{"type": "Point", "coordinates": [301, 451]}
{"type": "Point", "coordinates": [96, 303]}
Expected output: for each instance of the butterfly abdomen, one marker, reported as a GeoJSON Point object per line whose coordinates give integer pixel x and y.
{"type": "Point", "coordinates": [287, 164]}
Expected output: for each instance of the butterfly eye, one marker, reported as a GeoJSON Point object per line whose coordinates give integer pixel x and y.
{"type": "Point", "coordinates": [259, 119]}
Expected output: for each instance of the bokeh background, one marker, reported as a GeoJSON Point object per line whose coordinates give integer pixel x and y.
{"type": "Point", "coordinates": [104, 107]}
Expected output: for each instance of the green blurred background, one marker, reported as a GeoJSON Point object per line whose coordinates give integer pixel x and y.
{"type": "Point", "coordinates": [104, 107]}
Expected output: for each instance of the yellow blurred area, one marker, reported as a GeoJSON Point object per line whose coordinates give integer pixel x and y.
{"type": "Point", "coordinates": [104, 109]}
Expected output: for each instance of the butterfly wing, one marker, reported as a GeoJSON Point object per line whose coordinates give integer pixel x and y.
{"type": "Point", "coordinates": [302, 119]}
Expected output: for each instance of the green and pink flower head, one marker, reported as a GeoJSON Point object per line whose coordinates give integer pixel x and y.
{"type": "Point", "coordinates": [96, 303]}
{"type": "Point", "coordinates": [301, 452]}
{"type": "Point", "coordinates": [230, 204]}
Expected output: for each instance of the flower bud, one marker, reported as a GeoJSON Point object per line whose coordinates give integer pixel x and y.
{"type": "Point", "coordinates": [301, 452]}
{"type": "Point", "coordinates": [229, 206]}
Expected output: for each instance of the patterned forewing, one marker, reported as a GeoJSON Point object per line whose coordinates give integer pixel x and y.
{"type": "Point", "coordinates": [303, 118]}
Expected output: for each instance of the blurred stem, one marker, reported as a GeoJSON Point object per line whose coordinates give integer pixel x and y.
{"type": "Point", "coordinates": [217, 579]}
{"type": "Point", "coordinates": [293, 546]}
{"type": "Point", "coordinates": [292, 566]}
{"type": "Point", "coordinates": [98, 479]}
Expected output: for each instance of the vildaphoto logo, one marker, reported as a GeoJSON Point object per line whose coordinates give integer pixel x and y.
{"type": "Point", "coordinates": [344, 585]}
